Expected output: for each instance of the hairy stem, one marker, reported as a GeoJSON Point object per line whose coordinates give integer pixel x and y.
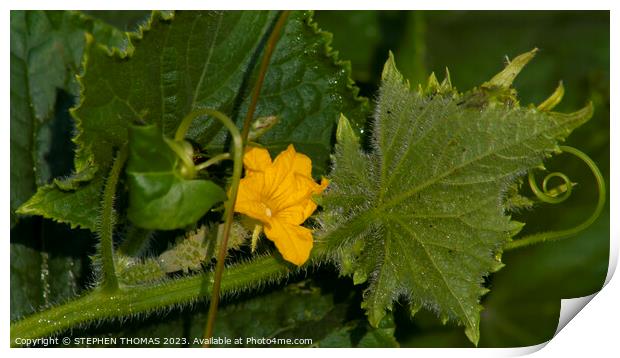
{"type": "Point", "coordinates": [228, 216]}
{"type": "Point", "coordinates": [108, 221]}
{"type": "Point", "coordinates": [99, 304]}
{"type": "Point", "coordinates": [230, 203]}
{"type": "Point", "coordinates": [238, 142]}
{"type": "Point", "coordinates": [271, 45]}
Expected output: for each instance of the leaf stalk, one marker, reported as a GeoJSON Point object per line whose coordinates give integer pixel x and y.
{"type": "Point", "coordinates": [216, 159]}
{"type": "Point", "coordinates": [108, 221]}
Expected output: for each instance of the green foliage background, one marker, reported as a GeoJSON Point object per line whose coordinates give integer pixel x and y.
{"type": "Point", "coordinates": [50, 264]}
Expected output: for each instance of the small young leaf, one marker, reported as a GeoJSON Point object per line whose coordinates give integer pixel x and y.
{"type": "Point", "coordinates": [160, 197]}
{"type": "Point", "coordinates": [424, 215]}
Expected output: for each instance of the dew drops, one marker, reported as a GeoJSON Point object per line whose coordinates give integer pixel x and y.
{"type": "Point", "coordinates": [332, 81]}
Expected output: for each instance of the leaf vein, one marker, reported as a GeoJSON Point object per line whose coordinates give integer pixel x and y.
{"type": "Point", "coordinates": [444, 280]}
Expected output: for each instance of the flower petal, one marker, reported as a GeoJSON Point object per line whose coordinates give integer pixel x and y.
{"type": "Point", "coordinates": [281, 167]}
{"type": "Point", "coordinates": [309, 208]}
{"type": "Point", "coordinates": [256, 159]}
{"type": "Point", "coordinates": [295, 214]}
{"type": "Point", "coordinates": [280, 182]}
{"type": "Point", "coordinates": [293, 241]}
{"type": "Point", "coordinates": [249, 199]}
{"type": "Point", "coordinates": [311, 205]}
{"type": "Point", "coordinates": [302, 165]}
{"type": "Point", "coordinates": [322, 186]}
{"type": "Point", "coordinates": [286, 157]}
{"type": "Point", "coordinates": [279, 194]}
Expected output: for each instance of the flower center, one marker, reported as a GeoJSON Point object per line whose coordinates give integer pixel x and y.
{"type": "Point", "coordinates": [267, 210]}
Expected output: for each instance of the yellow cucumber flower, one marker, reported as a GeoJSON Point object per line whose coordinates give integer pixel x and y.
{"type": "Point", "coordinates": [279, 194]}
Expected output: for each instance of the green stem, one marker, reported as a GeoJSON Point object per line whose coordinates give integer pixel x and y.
{"type": "Point", "coordinates": [99, 305]}
{"type": "Point", "coordinates": [271, 45]}
{"type": "Point", "coordinates": [216, 159]}
{"type": "Point", "coordinates": [228, 214]}
{"type": "Point", "coordinates": [230, 203]}
{"type": "Point", "coordinates": [182, 129]}
{"type": "Point", "coordinates": [108, 221]}
{"type": "Point", "coordinates": [563, 234]}
{"type": "Point", "coordinates": [184, 151]}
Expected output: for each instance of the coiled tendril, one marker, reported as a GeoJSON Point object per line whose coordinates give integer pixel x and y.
{"type": "Point", "coordinates": [559, 194]}
{"type": "Point", "coordinates": [555, 195]}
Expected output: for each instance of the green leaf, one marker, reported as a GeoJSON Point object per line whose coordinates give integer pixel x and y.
{"type": "Point", "coordinates": [160, 198]}
{"type": "Point", "coordinates": [423, 215]}
{"type": "Point", "coordinates": [277, 314]}
{"type": "Point", "coordinates": [79, 208]}
{"type": "Point", "coordinates": [199, 59]}
{"type": "Point", "coordinates": [26, 286]}
{"type": "Point", "coordinates": [48, 44]}
{"type": "Point", "coordinates": [357, 37]}
{"type": "Point", "coordinates": [48, 265]}
{"type": "Point", "coordinates": [37, 69]}
{"type": "Point", "coordinates": [303, 310]}
{"type": "Point", "coordinates": [46, 50]}
{"type": "Point", "coordinates": [381, 336]}
{"type": "Point", "coordinates": [358, 333]}
{"type": "Point", "coordinates": [578, 55]}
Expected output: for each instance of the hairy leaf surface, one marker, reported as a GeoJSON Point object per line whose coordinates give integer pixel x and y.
{"type": "Point", "coordinates": [423, 215]}
{"type": "Point", "coordinates": [198, 59]}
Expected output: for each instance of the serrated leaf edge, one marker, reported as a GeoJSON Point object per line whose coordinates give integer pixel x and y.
{"type": "Point", "coordinates": [334, 56]}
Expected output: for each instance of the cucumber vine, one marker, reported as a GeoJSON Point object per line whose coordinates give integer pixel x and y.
{"type": "Point", "coordinates": [420, 213]}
